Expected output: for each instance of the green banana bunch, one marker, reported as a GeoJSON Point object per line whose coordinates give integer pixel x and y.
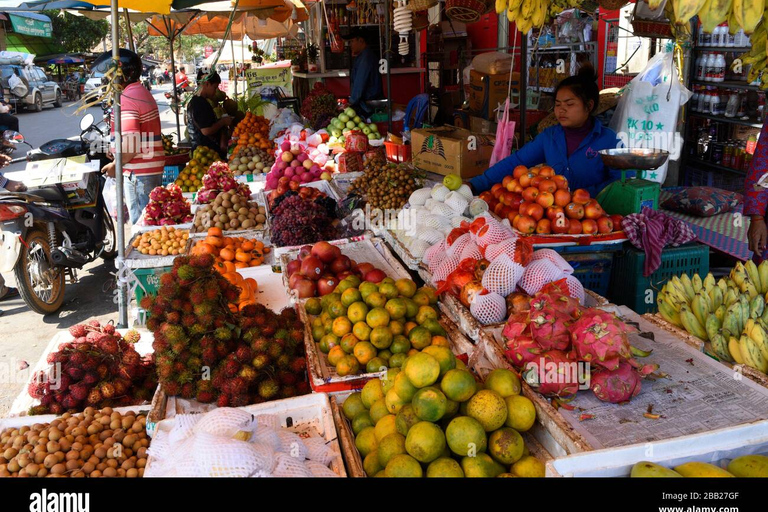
{"type": "Point", "coordinates": [712, 326]}
{"type": "Point", "coordinates": [720, 347]}
{"type": "Point", "coordinates": [687, 286]}
{"type": "Point", "coordinates": [751, 354]}
{"type": "Point", "coordinates": [757, 307]}
{"type": "Point", "coordinates": [754, 275]}
{"type": "Point", "coordinates": [716, 297]}
{"type": "Point", "coordinates": [701, 307]}
{"type": "Point", "coordinates": [668, 312]}
{"type": "Point", "coordinates": [713, 13]}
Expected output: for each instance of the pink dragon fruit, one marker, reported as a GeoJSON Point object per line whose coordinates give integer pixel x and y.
{"type": "Point", "coordinates": [521, 350]}
{"type": "Point", "coordinates": [206, 195]}
{"type": "Point", "coordinates": [159, 194]}
{"type": "Point", "coordinates": [517, 325]}
{"type": "Point", "coordinates": [175, 192]}
{"type": "Point", "coordinates": [219, 169]}
{"type": "Point", "coordinates": [151, 222]}
{"type": "Point", "coordinates": [153, 211]}
{"type": "Point", "coordinates": [554, 374]}
{"type": "Point", "coordinates": [167, 222]}
{"type": "Point", "coordinates": [618, 385]}
{"type": "Point", "coordinates": [550, 329]}
{"type": "Point", "coordinates": [561, 303]}
{"type": "Point", "coordinates": [243, 190]}
{"type": "Point", "coordinates": [188, 218]}
{"type": "Point", "coordinates": [227, 183]}
{"type": "Point", "coordinates": [176, 209]}
{"type": "Point", "coordinates": [601, 339]}
{"type": "Point", "coordinates": [210, 181]}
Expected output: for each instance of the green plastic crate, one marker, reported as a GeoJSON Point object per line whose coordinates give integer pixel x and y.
{"type": "Point", "coordinates": [592, 269]}
{"type": "Point", "coordinates": [630, 288]}
{"type": "Point", "coordinates": [149, 280]}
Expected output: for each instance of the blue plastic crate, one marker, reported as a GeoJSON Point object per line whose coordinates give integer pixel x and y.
{"type": "Point", "coordinates": [170, 173]}
{"type": "Point", "coordinates": [592, 269]}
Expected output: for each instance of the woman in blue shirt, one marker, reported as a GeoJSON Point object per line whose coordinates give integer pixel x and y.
{"type": "Point", "coordinates": [570, 147]}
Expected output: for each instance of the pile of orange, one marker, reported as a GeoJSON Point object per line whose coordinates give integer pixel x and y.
{"type": "Point", "coordinates": [231, 253]}
{"type": "Point", "coordinates": [252, 131]}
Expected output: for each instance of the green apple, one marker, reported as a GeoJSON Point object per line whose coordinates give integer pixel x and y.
{"type": "Point", "coordinates": [452, 181]}
{"type": "Point", "coordinates": [366, 130]}
{"type": "Point", "coordinates": [336, 132]}
{"type": "Point", "coordinates": [373, 127]}
{"type": "Point", "coordinates": [371, 136]}
{"type": "Point", "coordinates": [351, 125]}
{"type": "Point", "coordinates": [343, 118]}
{"type": "Point", "coordinates": [333, 139]}
{"type": "Point", "coordinates": [342, 140]}
{"type": "Point", "coordinates": [357, 119]}
{"type": "Point", "coordinates": [350, 112]}
{"type": "Point", "coordinates": [325, 176]}
{"type": "Point", "coordinates": [345, 131]}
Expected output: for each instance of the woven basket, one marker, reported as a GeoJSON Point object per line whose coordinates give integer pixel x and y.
{"type": "Point", "coordinates": [421, 5]}
{"type": "Point", "coordinates": [612, 5]}
{"type": "Point", "coordinates": [466, 11]}
{"type": "Point", "coordinates": [420, 21]}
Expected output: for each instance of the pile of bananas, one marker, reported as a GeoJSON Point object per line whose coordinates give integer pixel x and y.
{"type": "Point", "coordinates": [757, 56]}
{"type": "Point", "coordinates": [730, 313]}
{"type": "Point", "coordinates": [168, 147]}
{"type": "Point", "coordinates": [530, 14]}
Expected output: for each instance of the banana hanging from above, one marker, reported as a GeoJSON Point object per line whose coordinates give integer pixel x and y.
{"type": "Point", "coordinates": [748, 14]}
{"type": "Point", "coordinates": [713, 13]}
{"type": "Point", "coordinates": [501, 6]}
{"type": "Point", "coordinates": [686, 9]}
{"type": "Point", "coordinates": [654, 4]}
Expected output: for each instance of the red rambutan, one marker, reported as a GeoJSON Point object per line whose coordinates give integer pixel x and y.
{"type": "Point", "coordinates": [109, 329]}
{"type": "Point", "coordinates": [173, 317]}
{"type": "Point", "coordinates": [94, 397]}
{"type": "Point", "coordinates": [231, 294]}
{"type": "Point", "coordinates": [303, 388]}
{"type": "Point", "coordinates": [172, 388]}
{"type": "Point", "coordinates": [222, 401]}
{"type": "Point", "coordinates": [231, 367]}
{"type": "Point", "coordinates": [77, 331]}
{"type": "Point", "coordinates": [288, 391]}
{"type": "Point", "coordinates": [223, 334]}
{"type": "Point", "coordinates": [260, 344]}
{"type": "Point", "coordinates": [260, 361]}
{"type": "Point", "coordinates": [286, 378]}
{"type": "Point", "coordinates": [275, 350]}
{"type": "Point", "coordinates": [187, 390]}
{"type": "Point", "coordinates": [205, 397]}
{"type": "Point", "coordinates": [248, 373]}
{"type": "Point", "coordinates": [167, 278]}
{"type": "Point", "coordinates": [298, 365]}
{"type": "Point", "coordinates": [238, 401]}
{"type": "Point", "coordinates": [284, 362]}
{"type": "Point", "coordinates": [186, 307]}
{"type": "Point", "coordinates": [221, 349]}
{"type": "Point", "coordinates": [243, 353]}
{"type": "Point", "coordinates": [201, 260]}
{"type": "Point", "coordinates": [268, 389]}
{"type": "Point", "coordinates": [146, 302]}
{"type": "Point", "coordinates": [209, 356]}
{"type": "Point", "coordinates": [153, 324]}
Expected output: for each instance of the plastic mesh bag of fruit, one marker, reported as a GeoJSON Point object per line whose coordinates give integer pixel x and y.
{"type": "Point", "coordinates": [458, 245]}
{"type": "Point", "coordinates": [507, 247]}
{"type": "Point", "coordinates": [465, 191]}
{"type": "Point", "coordinates": [292, 444]}
{"type": "Point", "coordinates": [318, 450]}
{"type": "Point", "coordinates": [502, 275]}
{"type": "Point", "coordinates": [472, 251]}
{"type": "Point", "coordinates": [420, 196]}
{"type": "Point", "coordinates": [436, 222]}
{"type": "Point", "coordinates": [267, 435]}
{"type": "Point", "coordinates": [290, 467]}
{"type": "Point", "coordinates": [183, 427]}
{"type": "Point", "coordinates": [219, 456]}
{"type": "Point", "coordinates": [537, 274]}
{"type": "Point", "coordinates": [435, 254]}
{"type": "Point", "coordinates": [575, 289]}
{"type": "Point", "coordinates": [439, 191]}
{"type": "Point", "coordinates": [418, 248]}
{"type": "Point", "coordinates": [490, 308]}
{"type": "Point", "coordinates": [319, 470]}
{"type": "Point", "coordinates": [458, 220]}
{"type": "Point", "coordinates": [444, 269]}
{"type": "Point", "coordinates": [225, 421]}
{"type": "Point", "coordinates": [431, 236]}
{"type": "Point", "coordinates": [430, 203]}
{"type": "Point", "coordinates": [444, 210]}
{"type": "Point", "coordinates": [492, 232]}
{"type": "Point", "coordinates": [268, 420]}
{"type": "Point", "coordinates": [554, 257]}
{"type": "Point", "coordinates": [457, 202]}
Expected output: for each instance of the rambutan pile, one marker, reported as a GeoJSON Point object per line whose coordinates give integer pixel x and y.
{"type": "Point", "coordinates": [210, 352]}
{"type": "Point", "coordinates": [97, 368]}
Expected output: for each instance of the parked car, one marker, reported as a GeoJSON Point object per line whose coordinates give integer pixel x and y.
{"type": "Point", "coordinates": [41, 91]}
{"type": "Point", "coordinates": [94, 81]}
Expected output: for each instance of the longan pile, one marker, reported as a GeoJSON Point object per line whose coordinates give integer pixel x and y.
{"type": "Point", "coordinates": [91, 444]}
{"type": "Point", "coordinates": [385, 185]}
{"type": "Point", "coordinates": [165, 241]}
{"type": "Point", "coordinates": [230, 211]}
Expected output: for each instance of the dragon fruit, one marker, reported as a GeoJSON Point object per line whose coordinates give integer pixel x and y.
{"type": "Point", "coordinates": [601, 339]}
{"type": "Point", "coordinates": [227, 183]}
{"type": "Point", "coordinates": [210, 182]}
{"type": "Point", "coordinates": [553, 374]}
{"type": "Point", "coordinates": [517, 325]}
{"type": "Point", "coordinates": [206, 195]}
{"type": "Point", "coordinates": [561, 303]}
{"type": "Point", "coordinates": [219, 169]}
{"type": "Point", "coordinates": [176, 209]}
{"type": "Point", "coordinates": [617, 385]}
{"type": "Point", "coordinates": [154, 210]}
{"type": "Point", "coordinates": [175, 192]}
{"type": "Point", "coordinates": [159, 194]}
{"type": "Point", "coordinates": [550, 329]}
{"type": "Point", "coordinates": [166, 222]}
{"type": "Point", "coordinates": [521, 350]}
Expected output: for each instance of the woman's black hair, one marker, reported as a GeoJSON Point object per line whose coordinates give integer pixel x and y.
{"type": "Point", "coordinates": [583, 85]}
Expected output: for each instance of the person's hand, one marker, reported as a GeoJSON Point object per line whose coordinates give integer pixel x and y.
{"type": "Point", "coordinates": [109, 169]}
{"type": "Point", "coordinates": [15, 186]}
{"type": "Point", "coordinates": [228, 120]}
{"type": "Point", "coordinates": [757, 235]}
{"type": "Point", "coordinates": [4, 160]}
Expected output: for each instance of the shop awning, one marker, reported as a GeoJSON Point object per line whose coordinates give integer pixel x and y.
{"type": "Point", "coordinates": [35, 45]}
{"type": "Point", "coordinates": [31, 24]}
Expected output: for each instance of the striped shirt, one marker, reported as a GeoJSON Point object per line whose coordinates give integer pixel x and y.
{"type": "Point", "coordinates": [139, 115]}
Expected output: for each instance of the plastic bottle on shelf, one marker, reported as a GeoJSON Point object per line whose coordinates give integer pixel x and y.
{"type": "Point", "coordinates": [699, 66]}
{"type": "Point", "coordinates": [706, 38]}
{"type": "Point", "coordinates": [715, 41]}
{"type": "Point", "coordinates": [695, 99]}
{"type": "Point", "coordinates": [730, 39]}
{"type": "Point", "coordinates": [733, 104]}
{"type": "Point", "coordinates": [720, 66]}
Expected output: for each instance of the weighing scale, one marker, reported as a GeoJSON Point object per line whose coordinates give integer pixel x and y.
{"type": "Point", "coordinates": [630, 195]}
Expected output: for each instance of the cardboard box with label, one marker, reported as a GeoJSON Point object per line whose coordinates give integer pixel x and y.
{"type": "Point", "coordinates": [450, 150]}
{"type": "Point", "coordinates": [77, 179]}
{"type": "Point", "coordinates": [486, 92]}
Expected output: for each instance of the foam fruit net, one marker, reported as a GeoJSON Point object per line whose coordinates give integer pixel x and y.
{"type": "Point", "coordinates": [554, 257]}
{"type": "Point", "coordinates": [205, 446]}
{"type": "Point", "coordinates": [492, 233]}
{"type": "Point", "coordinates": [435, 254]}
{"type": "Point", "coordinates": [472, 251]}
{"type": "Point", "coordinates": [439, 192]}
{"type": "Point", "coordinates": [539, 273]}
{"type": "Point", "coordinates": [420, 196]}
{"type": "Point", "coordinates": [444, 210]}
{"type": "Point", "coordinates": [505, 247]}
{"type": "Point", "coordinates": [457, 202]}
{"type": "Point", "coordinates": [502, 275]}
{"type": "Point", "coordinates": [458, 245]}
{"type": "Point", "coordinates": [490, 308]}
{"type": "Point", "coordinates": [575, 289]}
{"type": "Point", "coordinates": [466, 192]}
{"type": "Point", "coordinates": [445, 268]}
{"type": "Point", "coordinates": [418, 248]}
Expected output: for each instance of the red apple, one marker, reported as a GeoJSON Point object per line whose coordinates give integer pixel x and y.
{"type": "Point", "coordinates": [580, 196]}
{"type": "Point", "coordinates": [304, 252]}
{"type": "Point", "coordinates": [293, 279]}
{"type": "Point", "coordinates": [589, 226]}
{"type": "Point", "coordinates": [340, 264]}
{"type": "Point", "coordinates": [616, 219]}
{"type": "Point", "coordinates": [305, 288]}
{"type": "Point", "coordinates": [561, 224]}
{"type": "Point", "coordinates": [325, 252]}
{"type": "Point", "coordinates": [604, 225]}
{"type": "Point", "coordinates": [544, 227]}
{"type": "Point", "coordinates": [574, 227]}
{"type": "Point", "coordinates": [515, 201]}
{"type": "Point", "coordinates": [593, 210]}
{"type": "Point", "coordinates": [364, 268]}
{"type": "Point", "coordinates": [312, 267]}
{"type": "Point", "coordinates": [574, 211]}
{"type": "Point", "coordinates": [326, 285]}
{"type": "Point", "coordinates": [375, 276]}
{"type": "Point", "coordinates": [292, 267]}
{"type": "Point", "coordinates": [553, 212]}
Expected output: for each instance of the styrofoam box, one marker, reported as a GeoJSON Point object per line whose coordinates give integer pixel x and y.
{"type": "Point", "coordinates": [297, 414]}
{"type": "Point", "coordinates": [617, 462]}
{"type": "Point", "coordinates": [271, 291]}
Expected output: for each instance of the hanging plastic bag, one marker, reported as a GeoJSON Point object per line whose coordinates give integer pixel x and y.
{"type": "Point", "coordinates": [17, 86]}
{"type": "Point", "coordinates": [646, 116]}
{"type": "Point", "coordinates": [505, 137]}
{"type": "Point", "coordinates": [110, 198]}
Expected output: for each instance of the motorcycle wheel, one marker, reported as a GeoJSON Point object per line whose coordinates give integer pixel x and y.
{"type": "Point", "coordinates": [40, 284]}
{"type": "Point", "coordinates": [110, 238]}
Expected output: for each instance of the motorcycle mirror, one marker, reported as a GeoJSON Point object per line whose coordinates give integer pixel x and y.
{"type": "Point", "coordinates": [86, 122]}
{"type": "Point", "coordinates": [13, 137]}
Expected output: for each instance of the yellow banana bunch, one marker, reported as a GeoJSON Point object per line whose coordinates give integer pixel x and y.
{"type": "Point", "coordinates": [713, 13]}
{"type": "Point", "coordinates": [748, 13]}
{"type": "Point", "coordinates": [687, 9]}
{"type": "Point", "coordinates": [692, 324]}
{"type": "Point", "coordinates": [654, 4]}
{"type": "Point", "coordinates": [501, 6]}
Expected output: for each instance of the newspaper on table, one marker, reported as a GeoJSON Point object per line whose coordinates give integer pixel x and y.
{"type": "Point", "coordinates": [698, 395]}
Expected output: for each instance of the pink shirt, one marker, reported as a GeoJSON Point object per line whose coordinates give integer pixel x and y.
{"type": "Point", "coordinates": [139, 115]}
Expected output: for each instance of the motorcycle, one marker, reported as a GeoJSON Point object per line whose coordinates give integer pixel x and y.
{"type": "Point", "coordinates": [145, 81]}
{"type": "Point", "coordinates": [176, 102]}
{"type": "Point", "coordinates": [44, 239]}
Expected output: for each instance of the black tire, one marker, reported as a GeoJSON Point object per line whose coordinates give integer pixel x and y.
{"type": "Point", "coordinates": [110, 238]}
{"type": "Point", "coordinates": [38, 106]}
{"type": "Point", "coordinates": [58, 102]}
{"type": "Point", "coordinates": [42, 301]}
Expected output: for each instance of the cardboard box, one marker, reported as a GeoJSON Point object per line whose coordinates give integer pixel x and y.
{"type": "Point", "coordinates": [451, 150]}
{"type": "Point", "coordinates": [77, 179]}
{"type": "Point", "coordinates": [486, 92]}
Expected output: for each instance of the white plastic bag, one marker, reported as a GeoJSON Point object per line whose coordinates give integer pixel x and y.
{"type": "Point", "coordinates": [646, 116]}
{"type": "Point", "coordinates": [110, 198]}
{"type": "Point", "coordinates": [17, 86]}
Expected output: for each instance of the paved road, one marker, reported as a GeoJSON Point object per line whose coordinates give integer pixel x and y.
{"type": "Point", "coordinates": [23, 333]}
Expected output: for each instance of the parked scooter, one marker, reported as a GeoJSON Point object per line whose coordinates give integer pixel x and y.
{"type": "Point", "coordinates": [44, 239]}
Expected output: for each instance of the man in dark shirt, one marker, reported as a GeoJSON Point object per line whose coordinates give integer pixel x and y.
{"type": "Point", "coordinates": [204, 129]}
{"type": "Point", "coordinates": [365, 79]}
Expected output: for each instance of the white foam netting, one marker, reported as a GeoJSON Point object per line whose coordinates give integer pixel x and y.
{"type": "Point", "coordinates": [290, 467]}
{"type": "Point", "coordinates": [465, 191]}
{"type": "Point", "coordinates": [538, 273]}
{"type": "Point", "coordinates": [435, 254]}
{"type": "Point", "coordinates": [444, 210]}
{"type": "Point", "coordinates": [471, 250]}
{"type": "Point", "coordinates": [437, 222]}
{"type": "Point", "coordinates": [502, 275]}
{"type": "Point", "coordinates": [430, 203]}
{"type": "Point", "coordinates": [445, 268]}
{"type": "Point", "coordinates": [492, 233]}
{"type": "Point", "coordinates": [457, 202]}
{"type": "Point", "coordinates": [575, 289]}
{"type": "Point", "coordinates": [554, 257]}
{"type": "Point", "coordinates": [183, 427]}
{"type": "Point", "coordinates": [507, 247]}
{"type": "Point", "coordinates": [318, 451]}
{"type": "Point", "coordinates": [292, 444]}
{"type": "Point", "coordinates": [418, 248]}
{"type": "Point", "coordinates": [319, 470]}
{"type": "Point", "coordinates": [456, 221]}
{"type": "Point", "coordinates": [420, 196]}
{"type": "Point", "coordinates": [267, 435]}
{"type": "Point", "coordinates": [458, 245]}
{"type": "Point", "coordinates": [225, 421]}
{"type": "Point", "coordinates": [218, 456]}
{"type": "Point", "coordinates": [429, 235]}
{"type": "Point", "coordinates": [490, 308]}
{"type": "Point", "coordinates": [439, 191]}
{"type": "Point", "coordinates": [477, 207]}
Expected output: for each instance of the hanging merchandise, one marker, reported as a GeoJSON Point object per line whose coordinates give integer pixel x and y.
{"type": "Point", "coordinates": [646, 116]}
{"type": "Point", "coordinates": [403, 22]}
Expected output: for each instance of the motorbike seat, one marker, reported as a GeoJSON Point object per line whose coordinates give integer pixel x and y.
{"type": "Point", "coordinates": [49, 194]}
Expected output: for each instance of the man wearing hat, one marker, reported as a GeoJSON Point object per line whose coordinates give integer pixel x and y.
{"type": "Point", "coordinates": [365, 79]}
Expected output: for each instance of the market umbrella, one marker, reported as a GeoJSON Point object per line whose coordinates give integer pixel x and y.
{"type": "Point", "coordinates": [66, 59]}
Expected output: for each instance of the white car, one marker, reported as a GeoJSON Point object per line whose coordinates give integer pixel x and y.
{"type": "Point", "coordinates": [93, 81]}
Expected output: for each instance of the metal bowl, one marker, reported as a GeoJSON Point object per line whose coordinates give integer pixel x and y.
{"type": "Point", "coordinates": [634, 158]}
